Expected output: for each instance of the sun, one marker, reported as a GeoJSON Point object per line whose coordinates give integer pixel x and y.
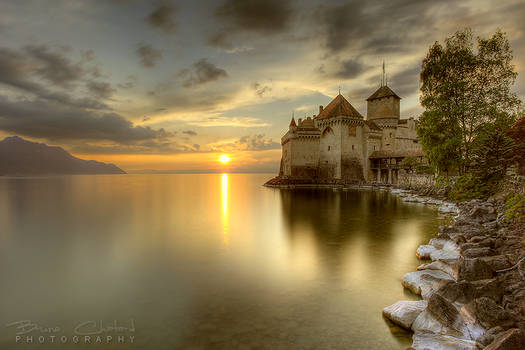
{"type": "Point", "coordinates": [224, 158]}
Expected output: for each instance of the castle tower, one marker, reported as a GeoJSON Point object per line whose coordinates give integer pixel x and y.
{"type": "Point", "coordinates": [383, 104]}
{"type": "Point", "coordinates": [342, 150]}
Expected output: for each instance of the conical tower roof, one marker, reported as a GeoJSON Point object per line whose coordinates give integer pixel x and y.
{"type": "Point", "coordinates": [339, 107]}
{"type": "Point", "coordinates": [383, 91]}
{"type": "Point", "coordinates": [292, 122]}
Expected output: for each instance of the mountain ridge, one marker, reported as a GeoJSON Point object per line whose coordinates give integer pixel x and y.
{"type": "Point", "coordinates": [20, 157]}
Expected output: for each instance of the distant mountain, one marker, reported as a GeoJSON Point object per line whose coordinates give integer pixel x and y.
{"type": "Point", "coordinates": [22, 157]}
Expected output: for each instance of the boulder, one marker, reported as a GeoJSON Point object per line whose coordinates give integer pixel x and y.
{"type": "Point", "coordinates": [489, 336]}
{"type": "Point", "coordinates": [488, 313]}
{"type": "Point", "coordinates": [462, 292]}
{"type": "Point", "coordinates": [474, 269]}
{"type": "Point", "coordinates": [403, 313]}
{"type": "Point", "coordinates": [426, 341]}
{"type": "Point", "coordinates": [423, 251]}
{"type": "Point", "coordinates": [512, 339]}
{"type": "Point", "coordinates": [497, 262]}
{"type": "Point", "coordinates": [450, 268]}
{"type": "Point", "coordinates": [445, 312]}
{"type": "Point", "coordinates": [478, 252]}
{"type": "Point", "coordinates": [425, 282]}
{"type": "Point", "coordinates": [438, 243]}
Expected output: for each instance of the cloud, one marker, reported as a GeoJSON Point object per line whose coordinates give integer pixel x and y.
{"type": "Point", "coordinates": [58, 122]}
{"type": "Point", "coordinates": [54, 66]}
{"type": "Point", "coordinates": [163, 18]}
{"type": "Point", "coordinates": [350, 68]}
{"type": "Point", "coordinates": [266, 17]}
{"type": "Point", "coordinates": [246, 122]}
{"type": "Point", "coordinates": [260, 90]}
{"type": "Point", "coordinates": [257, 142]}
{"type": "Point", "coordinates": [20, 69]}
{"type": "Point", "coordinates": [189, 132]}
{"type": "Point", "coordinates": [100, 89]}
{"type": "Point", "coordinates": [148, 55]}
{"type": "Point", "coordinates": [202, 72]}
{"type": "Point", "coordinates": [130, 83]}
{"type": "Point", "coordinates": [379, 27]}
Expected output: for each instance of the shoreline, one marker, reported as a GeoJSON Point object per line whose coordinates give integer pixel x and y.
{"type": "Point", "coordinates": [472, 282]}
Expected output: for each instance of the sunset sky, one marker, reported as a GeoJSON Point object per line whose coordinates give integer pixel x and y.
{"type": "Point", "coordinates": [171, 85]}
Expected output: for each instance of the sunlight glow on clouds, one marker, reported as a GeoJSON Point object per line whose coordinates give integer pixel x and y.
{"type": "Point", "coordinates": [174, 82]}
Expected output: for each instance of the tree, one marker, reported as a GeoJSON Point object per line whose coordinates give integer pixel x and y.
{"type": "Point", "coordinates": [517, 134]}
{"type": "Point", "coordinates": [464, 90]}
{"type": "Point", "coordinates": [409, 163]}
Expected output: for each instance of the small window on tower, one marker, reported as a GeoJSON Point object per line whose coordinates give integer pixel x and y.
{"type": "Point", "coordinates": [352, 147]}
{"type": "Point", "coordinates": [328, 147]}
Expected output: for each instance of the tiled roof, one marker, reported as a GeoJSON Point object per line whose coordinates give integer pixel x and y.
{"type": "Point", "coordinates": [339, 107]}
{"type": "Point", "coordinates": [383, 91]}
{"type": "Point", "coordinates": [292, 122]}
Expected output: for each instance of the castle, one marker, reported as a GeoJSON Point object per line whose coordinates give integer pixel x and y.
{"type": "Point", "coordinates": [339, 145]}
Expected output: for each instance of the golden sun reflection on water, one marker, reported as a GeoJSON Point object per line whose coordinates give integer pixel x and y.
{"type": "Point", "coordinates": [224, 186]}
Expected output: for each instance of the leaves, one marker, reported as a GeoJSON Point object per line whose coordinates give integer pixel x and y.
{"type": "Point", "coordinates": [465, 90]}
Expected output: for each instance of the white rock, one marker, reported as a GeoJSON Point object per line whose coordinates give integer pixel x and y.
{"type": "Point", "coordinates": [431, 341]}
{"type": "Point", "coordinates": [404, 312]}
{"type": "Point", "coordinates": [426, 323]}
{"type": "Point", "coordinates": [448, 208]}
{"type": "Point", "coordinates": [449, 269]}
{"type": "Point", "coordinates": [450, 251]}
{"type": "Point", "coordinates": [438, 243]}
{"type": "Point", "coordinates": [424, 251]}
{"type": "Point", "coordinates": [425, 282]}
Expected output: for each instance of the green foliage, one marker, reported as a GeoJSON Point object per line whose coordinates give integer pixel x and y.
{"type": "Point", "coordinates": [515, 207]}
{"type": "Point", "coordinates": [424, 169]}
{"type": "Point", "coordinates": [464, 90]}
{"type": "Point", "coordinates": [492, 151]}
{"type": "Point", "coordinates": [517, 134]}
{"type": "Point", "coordinates": [409, 163]}
{"type": "Point", "coordinates": [469, 186]}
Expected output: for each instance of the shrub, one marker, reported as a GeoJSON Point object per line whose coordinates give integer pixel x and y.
{"type": "Point", "coordinates": [469, 187]}
{"type": "Point", "coordinates": [515, 207]}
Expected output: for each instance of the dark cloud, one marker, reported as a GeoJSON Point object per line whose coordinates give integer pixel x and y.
{"type": "Point", "coordinates": [267, 17]}
{"type": "Point", "coordinates": [406, 82]}
{"type": "Point", "coordinates": [100, 89]}
{"type": "Point", "coordinates": [202, 72]}
{"type": "Point", "coordinates": [58, 122]}
{"type": "Point", "coordinates": [21, 71]}
{"type": "Point", "coordinates": [54, 66]}
{"type": "Point", "coordinates": [350, 68]}
{"type": "Point", "coordinates": [189, 132]}
{"type": "Point", "coordinates": [379, 27]}
{"type": "Point", "coordinates": [148, 55]}
{"type": "Point", "coordinates": [163, 18]}
{"type": "Point", "coordinates": [130, 83]}
{"type": "Point", "coordinates": [260, 90]}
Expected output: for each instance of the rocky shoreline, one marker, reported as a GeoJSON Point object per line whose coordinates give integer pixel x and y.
{"type": "Point", "coordinates": [472, 283]}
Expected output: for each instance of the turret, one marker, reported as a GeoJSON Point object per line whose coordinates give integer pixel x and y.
{"type": "Point", "coordinates": [383, 104]}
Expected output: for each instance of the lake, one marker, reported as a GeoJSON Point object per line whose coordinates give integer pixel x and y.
{"type": "Point", "coordinates": [213, 261]}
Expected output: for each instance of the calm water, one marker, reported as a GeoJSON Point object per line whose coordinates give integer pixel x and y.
{"type": "Point", "coordinates": [203, 262]}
